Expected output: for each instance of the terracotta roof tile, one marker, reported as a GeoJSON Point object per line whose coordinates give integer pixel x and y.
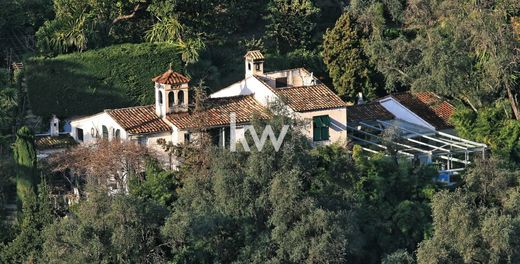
{"type": "Point", "coordinates": [50, 142]}
{"type": "Point", "coordinates": [368, 112]}
{"type": "Point", "coordinates": [139, 119]}
{"type": "Point", "coordinates": [310, 98]}
{"type": "Point", "coordinates": [170, 77]}
{"type": "Point", "coordinates": [429, 107]}
{"type": "Point", "coordinates": [254, 54]}
{"type": "Point", "coordinates": [217, 112]}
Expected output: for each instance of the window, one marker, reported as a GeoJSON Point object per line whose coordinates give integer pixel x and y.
{"type": "Point", "coordinates": [249, 66]}
{"type": "Point", "coordinates": [281, 82]}
{"type": "Point", "coordinates": [142, 141]}
{"type": "Point", "coordinates": [171, 99]}
{"type": "Point", "coordinates": [180, 97]}
{"type": "Point", "coordinates": [79, 134]}
{"type": "Point", "coordinates": [105, 132]}
{"type": "Point", "coordinates": [160, 97]}
{"type": "Point", "coordinates": [320, 128]}
{"type": "Point", "coordinates": [187, 138]}
{"type": "Point", "coordinates": [257, 66]}
{"type": "Point", "coordinates": [117, 134]}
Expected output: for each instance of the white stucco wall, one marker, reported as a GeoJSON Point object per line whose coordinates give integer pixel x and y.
{"type": "Point", "coordinates": [295, 77]}
{"type": "Point", "coordinates": [251, 85]}
{"type": "Point", "coordinates": [403, 113]}
{"type": "Point", "coordinates": [337, 129]}
{"type": "Point", "coordinates": [95, 123]}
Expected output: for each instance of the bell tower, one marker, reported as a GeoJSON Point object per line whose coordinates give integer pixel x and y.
{"type": "Point", "coordinates": [254, 63]}
{"type": "Point", "coordinates": [171, 93]}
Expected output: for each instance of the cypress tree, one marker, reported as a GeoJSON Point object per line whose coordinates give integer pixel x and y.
{"type": "Point", "coordinates": [25, 158]}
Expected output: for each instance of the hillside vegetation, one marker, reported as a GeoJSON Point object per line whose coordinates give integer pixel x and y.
{"type": "Point", "coordinates": [88, 82]}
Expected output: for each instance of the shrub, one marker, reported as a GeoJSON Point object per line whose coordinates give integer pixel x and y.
{"type": "Point", "coordinates": [88, 82]}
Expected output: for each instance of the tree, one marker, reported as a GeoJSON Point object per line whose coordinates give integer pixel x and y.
{"type": "Point", "coordinates": [107, 229]}
{"type": "Point", "coordinates": [463, 49]}
{"type": "Point", "coordinates": [493, 126]}
{"type": "Point", "coordinates": [25, 157]}
{"type": "Point", "coordinates": [255, 207]}
{"type": "Point", "coordinates": [290, 24]}
{"type": "Point", "coordinates": [37, 214]}
{"type": "Point", "coordinates": [478, 222]}
{"type": "Point", "coordinates": [346, 62]}
{"type": "Point", "coordinates": [399, 257]}
{"type": "Point", "coordinates": [79, 25]}
{"type": "Point", "coordinates": [104, 162]}
{"type": "Point", "coordinates": [156, 184]}
{"type": "Point", "coordinates": [394, 202]}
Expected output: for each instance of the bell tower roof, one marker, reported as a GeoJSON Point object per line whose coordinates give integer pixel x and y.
{"type": "Point", "coordinates": [254, 55]}
{"type": "Point", "coordinates": [172, 78]}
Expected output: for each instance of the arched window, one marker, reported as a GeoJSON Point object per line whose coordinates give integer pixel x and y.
{"type": "Point", "coordinates": [171, 99]}
{"type": "Point", "coordinates": [160, 97]}
{"type": "Point", "coordinates": [180, 97]}
{"type": "Point", "coordinates": [117, 134]}
{"type": "Point", "coordinates": [105, 132]}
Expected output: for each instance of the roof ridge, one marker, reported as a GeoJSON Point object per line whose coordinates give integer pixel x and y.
{"type": "Point", "coordinates": [290, 69]}
{"type": "Point", "coordinates": [301, 86]}
{"type": "Point", "coordinates": [128, 107]}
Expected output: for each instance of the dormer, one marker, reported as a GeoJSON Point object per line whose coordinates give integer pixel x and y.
{"type": "Point", "coordinates": [171, 93]}
{"type": "Point", "coordinates": [254, 63]}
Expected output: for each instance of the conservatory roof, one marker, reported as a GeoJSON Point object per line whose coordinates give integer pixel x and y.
{"type": "Point", "coordinates": [413, 141]}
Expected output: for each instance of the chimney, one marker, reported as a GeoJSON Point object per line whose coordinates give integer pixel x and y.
{"type": "Point", "coordinates": [254, 63]}
{"type": "Point", "coordinates": [55, 126]}
{"type": "Point", "coordinates": [360, 99]}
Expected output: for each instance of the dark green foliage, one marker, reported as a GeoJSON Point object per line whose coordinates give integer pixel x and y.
{"type": "Point", "coordinates": [25, 158]}
{"type": "Point", "coordinates": [395, 204]}
{"type": "Point", "coordinates": [19, 19]}
{"type": "Point", "coordinates": [478, 223]}
{"type": "Point", "coordinates": [156, 184]}
{"type": "Point", "coordinates": [107, 229]}
{"type": "Point", "coordinates": [255, 207]}
{"type": "Point", "coordinates": [462, 49]}
{"type": "Point", "coordinates": [291, 23]}
{"type": "Point", "coordinates": [37, 213]}
{"type": "Point", "coordinates": [399, 257]}
{"type": "Point", "coordinates": [88, 82]}
{"type": "Point", "coordinates": [347, 64]}
{"type": "Point", "coordinates": [7, 194]}
{"type": "Point", "coordinates": [493, 126]}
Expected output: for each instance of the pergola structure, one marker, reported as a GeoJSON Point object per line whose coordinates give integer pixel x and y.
{"type": "Point", "coordinates": [450, 153]}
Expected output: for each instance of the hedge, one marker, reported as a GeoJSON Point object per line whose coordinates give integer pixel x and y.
{"type": "Point", "coordinates": [88, 82]}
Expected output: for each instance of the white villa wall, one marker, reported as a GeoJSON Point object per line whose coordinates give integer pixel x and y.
{"type": "Point", "coordinates": [295, 77]}
{"type": "Point", "coordinates": [338, 120]}
{"type": "Point", "coordinates": [151, 141]}
{"type": "Point", "coordinates": [251, 85]}
{"type": "Point", "coordinates": [403, 113]}
{"type": "Point", "coordinates": [239, 88]}
{"type": "Point", "coordinates": [95, 123]}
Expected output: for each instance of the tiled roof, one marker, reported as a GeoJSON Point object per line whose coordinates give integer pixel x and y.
{"type": "Point", "coordinates": [254, 54]}
{"type": "Point", "coordinates": [368, 112]}
{"type": "Point", "coordinates": [171, 77]}
{"type": "Point", "coordinates": [139, 119]}
{"type": "Point", "coordinates": [310, 98]}
{"type": "Point", "coordinates": [50, 142]}
{"type": "Point", "coordinates": [217, 111]}
{"type": "Point", "coordinates": [429, 107]}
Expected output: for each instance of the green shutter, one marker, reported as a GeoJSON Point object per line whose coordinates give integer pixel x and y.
{"type": "Point", "coordinates": [325, 133]}
{"type": "Point", "coordinates": [320, 128]}
{"type": "Point", "coordinates": [316, 128]}
{"type": "Point", "coordinates": [326, 120]}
